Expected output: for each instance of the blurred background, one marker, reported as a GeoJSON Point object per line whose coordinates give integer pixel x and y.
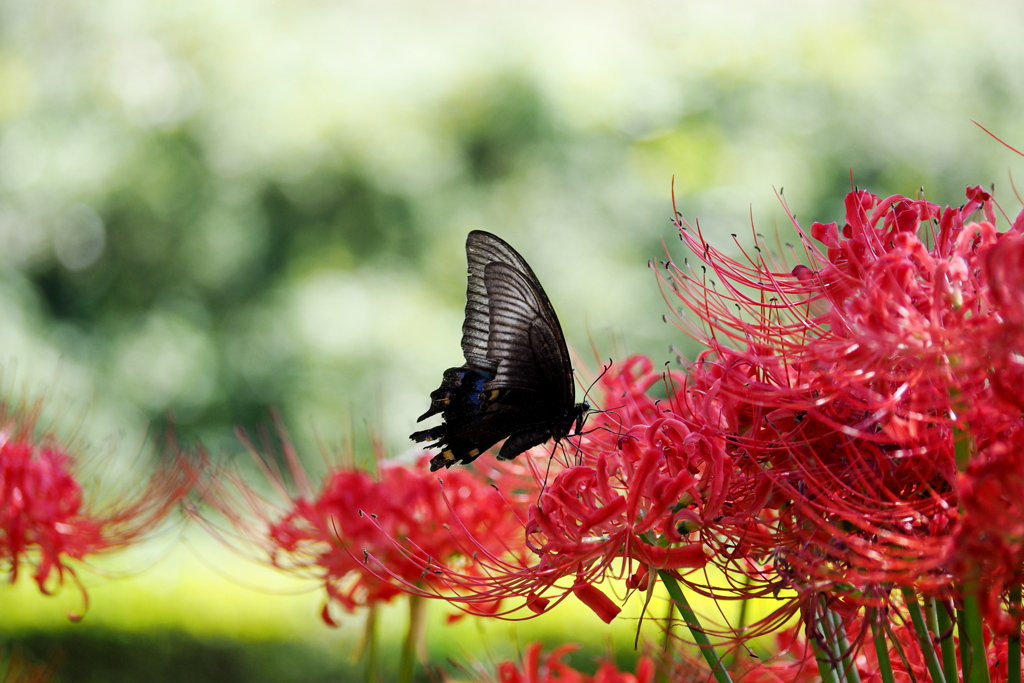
{"type": "Point", "coordinates": [215, 209]}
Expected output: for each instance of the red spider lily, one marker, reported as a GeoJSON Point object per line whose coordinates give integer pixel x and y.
{"type": "Point", "coordinates": [870, 402]}
{"type": "Point", "coordinates": [627, 508]}
{"type": "Point", "coordinates": [41, 505]}
{"type": "Point", "coordinates": [369, 537]}
{"type": "Point", "coordinates": [536, 668]}
{"type": "Point", "coordinates": [361, 530]}
{"type": "Point", "coordinates": [46, 521]}
{"type": "Point", "coordinates": [637, 490]}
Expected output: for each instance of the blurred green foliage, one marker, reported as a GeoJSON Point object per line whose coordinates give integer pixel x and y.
{"type": "Point", "coordinates": [102, 656]}
{"type": "Point", "coordinates": [209, 211]}
{"type": "Point", "coordinates": [213, 215]}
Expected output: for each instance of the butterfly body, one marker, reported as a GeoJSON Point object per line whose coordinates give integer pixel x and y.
{"type": "Point", "coordinates": [517, 381]}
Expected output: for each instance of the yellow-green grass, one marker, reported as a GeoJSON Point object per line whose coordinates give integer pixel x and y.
{"type": "Point", "coordinates": [201, 588]}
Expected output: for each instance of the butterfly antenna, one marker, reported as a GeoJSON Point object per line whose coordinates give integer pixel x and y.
{"type": "Point", "coordinates": [586, 398]}
{"type": "Point", "coordinates": [604, 371]}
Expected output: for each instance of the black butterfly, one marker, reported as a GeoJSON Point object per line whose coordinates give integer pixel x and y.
{"type": "Point", "coordinates": [517, 380]}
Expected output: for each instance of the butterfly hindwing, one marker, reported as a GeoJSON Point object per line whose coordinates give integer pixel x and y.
{"type": "Point", "coordinates": [517, 380]}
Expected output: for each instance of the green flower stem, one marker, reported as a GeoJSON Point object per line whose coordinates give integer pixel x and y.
{"type": "Point", "coordinates": [842, 645]}
{"type": "Point", "coordinates": [711, 655]}
{"type": "Point", "coordinates": [945, 622]}
{"type": "Point", "coordinates": [829, 637]}
{"type": "Point", "coordinates": [370, 645]}
{"type": "Point", "coordinates": [924, 637]}
{"type": "Point", "coordinates": [1013, 663]}
{"type": "Point", "coordinates": [978, 671]}
{"type": "Point", "coordinates": [413, 638]}
{"type": "Point", "coordinates": [963, 447]}
{"type": "Point", "coordinates": [881, 647]}
{"type": "Point", "coordinates": [662, 674]}
{"type": "Point", "coordinates": [931, 618]}
{"type": "Point", "coordinates": [965, 642]}
{"type": "Point", "coordinates": [824, 656]}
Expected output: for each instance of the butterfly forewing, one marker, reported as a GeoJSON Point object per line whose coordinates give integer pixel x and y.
{"type": "Point", "coordinates": [522, 340]}
{"type": "Point", "coordinates": [517, 380]}
{"type": "Point", "coordinates": [483, 248]}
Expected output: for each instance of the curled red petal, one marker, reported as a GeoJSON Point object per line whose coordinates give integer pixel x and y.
{"type": "Point", "coordinates": [595, 599]}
